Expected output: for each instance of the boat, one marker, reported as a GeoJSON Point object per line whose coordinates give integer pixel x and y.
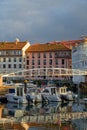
{"type": "Point", "coordinates": [49, 94]}
{"type": "Point", "coordinates": [66, 95]}
{"type": "Point", "coordinates": [23, 94]}
{"type": "Point", "coordinates": [34, 95]}
{"type": "Point", "coordinates": [17, 94]}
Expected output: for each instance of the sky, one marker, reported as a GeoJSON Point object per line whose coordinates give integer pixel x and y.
{"type": "Point", "coordinates": [41, 21]}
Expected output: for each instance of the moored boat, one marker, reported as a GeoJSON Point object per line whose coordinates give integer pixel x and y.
{"type": "Point", "coordinates": [16, 94]}
{"type": "Point", "coordinates": [50, 94]}
{"type": "Point", "coordinates": [23, 94]}
{"type": "Point", "coordinates": [34, 95]}
{"type": "Point", "coordinates": [66, 95]}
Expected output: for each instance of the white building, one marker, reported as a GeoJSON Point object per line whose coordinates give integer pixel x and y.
{"type": "Point", "coordinates": [79, 60]}
{"type": "Point", "coordinates": [12, 56]}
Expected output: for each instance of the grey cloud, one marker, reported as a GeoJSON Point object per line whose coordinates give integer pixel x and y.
{"type": "Point", "coordinates": [42, 20]}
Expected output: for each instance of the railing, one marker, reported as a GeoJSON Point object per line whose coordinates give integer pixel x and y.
{"type": "Point", "coordinates": [45, 72]}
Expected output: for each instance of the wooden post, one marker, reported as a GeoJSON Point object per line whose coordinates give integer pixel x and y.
{"type": "Point", "coordinates": [1, 81]}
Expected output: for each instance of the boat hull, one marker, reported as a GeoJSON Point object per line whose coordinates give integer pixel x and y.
{"type": "Point", "coordinates": [16, 99]}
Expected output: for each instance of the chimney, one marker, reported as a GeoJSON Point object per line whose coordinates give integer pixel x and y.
{"type": "Point", "coordinates": [16, 41]}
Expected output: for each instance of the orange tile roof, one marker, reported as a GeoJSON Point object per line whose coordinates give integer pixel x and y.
{"type": "Point", "coordinates": [12, 45]}
{"type": "Point", "coordinates": [51, 46]}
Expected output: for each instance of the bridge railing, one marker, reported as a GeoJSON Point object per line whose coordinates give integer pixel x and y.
{"type": "Point", "coordinates": [44, 72]}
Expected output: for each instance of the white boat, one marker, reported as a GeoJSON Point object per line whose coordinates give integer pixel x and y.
{"type": "Point", "coordinates": [17, 94]}
{"type": "Point", "coordinates": [50, 94]}
{"type": "Point", "coordinates": [34, 95]}
{"type": "Point", "coordinates": [66, 95]}
{"type": "Point", "coordinates": [20, 94]}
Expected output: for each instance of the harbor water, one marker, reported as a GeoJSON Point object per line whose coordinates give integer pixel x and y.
{"type": "Point", "coordinates": [50, 116]}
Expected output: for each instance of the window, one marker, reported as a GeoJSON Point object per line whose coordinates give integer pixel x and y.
{"type": "Point", "coordinates": [50, 62]}
{"type": "Point", "coordinates": [19, 52]}
{"type": "Point", "coordinates": [4, 59]}
{"type": "Point", "coordinates": [9, 60]}
{"type": "Point", "coordinates": [20, 59]}
{"type": "Point", "coordinates": [27, 57]}
{"type": "Point", "coordinates": [14, 65]}
{"type": "Point", "coordinates": [27, 62]}
{"type": "Point", "coordinates": [7, 52]}
{"type": "Point", "coordinates": [32, 62]}
{"type": "Point", "coordinates": [32, 67]}
{"type": "Point", "coordinates": [14, 52]}
{"type": "Point", "coordinates": [63, 61]}
{"type": "Point", "coordinates": [44, 55]}
{"type": "Point", "coordinates": [56, 61]}
{"type": "Point", "coordinates": [14, 59]}
{"type": "Point", "coordinates": [38, 55]}
{"type": "Point", "coordinates": [46, 91]}
{"type": "Point", "coordinates": [4, 65]}
{"type": "Point", "coordinates": [27, 67]}
{"type": "Point", "coordinates": [56, 54]}
{"type": "Point", "coordinates": [38, 62]}
{"type": "Point", "coordinates": [19, 91]}
{"type": "Point", "coordinates": [32, 55]}
{"type": "Point", "coordinates": [50, 54]}
{"type": "Point", "coordinates": [53, 91]}
{"type": "Point", "coordinates": [20, 66]}
{"type": "Point", "coordinates": [44, 62]}
{"type": "Point", "coordinates": [9, 65]}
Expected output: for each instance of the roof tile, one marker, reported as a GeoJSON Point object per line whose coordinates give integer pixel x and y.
{"type": "Point", "coordinates": [47, 47]}
{"type": "Point", "coordinates": [12, 45]}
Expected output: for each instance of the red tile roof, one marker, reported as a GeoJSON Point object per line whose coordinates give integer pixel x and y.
{"type": "Point", "coordinates": [12, 45]}
{"type": "Point", "coordinates": [51, 46]}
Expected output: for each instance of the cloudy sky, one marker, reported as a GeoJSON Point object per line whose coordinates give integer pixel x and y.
{"type": "Point", "coordinates": [42, 20]}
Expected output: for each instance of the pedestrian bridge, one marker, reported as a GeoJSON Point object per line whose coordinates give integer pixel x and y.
{"type": "Point", "coordinates": [44, 72]}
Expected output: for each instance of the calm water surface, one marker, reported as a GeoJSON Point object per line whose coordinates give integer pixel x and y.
{"type": "Point", "coordinates": [9, 109]}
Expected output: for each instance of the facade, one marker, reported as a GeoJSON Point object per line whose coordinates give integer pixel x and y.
{"type": "Point", "coordinates": [49, 55]}
{"type": "Point", "coordinates": [12, 56]}
{"type": "Point", "coordinates": [79, 60]}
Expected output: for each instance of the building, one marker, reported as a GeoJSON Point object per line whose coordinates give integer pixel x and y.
{"type": "Point", "coordinates": [12, 56]}
{"type": "Point", "coordinates": [79, 60]}
{"type": "Point", "coordinates": [49, 55]}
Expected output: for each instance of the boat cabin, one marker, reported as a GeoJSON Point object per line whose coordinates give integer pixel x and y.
{"type": "Point", "coordinates": [19, 90]}
{"type": "Point", "coordinates": [62, 90]}
{"type": "Point", "coordinates": [50, 90]}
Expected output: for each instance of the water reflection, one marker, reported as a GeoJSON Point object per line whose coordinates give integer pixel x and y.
{"type": "Point", "coordinates": [40, 108]}
{"type": "Point", "coordinates": [32, 109]}
{"type": "Point", "coordinates": [10, 109]}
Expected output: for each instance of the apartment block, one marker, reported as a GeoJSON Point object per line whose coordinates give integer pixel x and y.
{"type": "Point", "coordinates": [12, 56]}
{"type": "Point", "coordinates": [48, 55]}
